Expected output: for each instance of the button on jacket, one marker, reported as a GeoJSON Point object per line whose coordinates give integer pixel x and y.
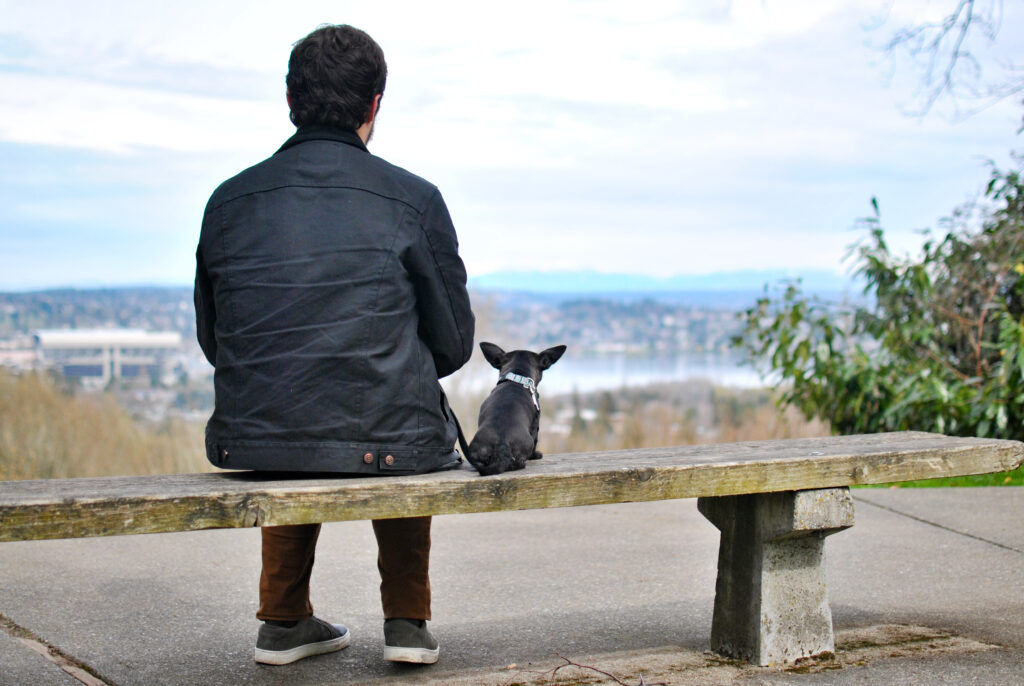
{"type": "Point", "coordinates": [330, 298]}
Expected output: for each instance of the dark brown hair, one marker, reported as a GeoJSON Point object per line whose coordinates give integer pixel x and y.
{"type": "Point", "coordinates": [333, 75]}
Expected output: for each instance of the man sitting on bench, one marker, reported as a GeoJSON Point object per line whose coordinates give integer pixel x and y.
{"type": "Point", "coordinates": [330, 297]}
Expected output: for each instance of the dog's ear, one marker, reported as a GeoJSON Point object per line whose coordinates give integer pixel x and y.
{"type": "Point", "coordinates": [550, 356]}
{"type": "Point", "coordinates": [493, 354]}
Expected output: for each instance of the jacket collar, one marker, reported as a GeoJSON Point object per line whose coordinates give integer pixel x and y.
{"type": "Point", "coordinates": [321, 132]}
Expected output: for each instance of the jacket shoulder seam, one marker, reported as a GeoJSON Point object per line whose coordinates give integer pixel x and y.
{"type": "Point", "coordinates": [387, 196]}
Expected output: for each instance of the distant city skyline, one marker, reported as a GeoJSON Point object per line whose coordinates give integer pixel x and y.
{"type": "Point", "coordinates": [657, 139]}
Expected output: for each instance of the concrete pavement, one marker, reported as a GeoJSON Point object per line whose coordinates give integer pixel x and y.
{"type": "Point", "coordinates": [624, 588]}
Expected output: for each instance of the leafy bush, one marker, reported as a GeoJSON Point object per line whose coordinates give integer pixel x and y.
{"type": "Point", "coordinates": [938, 344]}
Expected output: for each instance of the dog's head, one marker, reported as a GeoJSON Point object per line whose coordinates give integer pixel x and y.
{"type": "Point", "coordinates": [522, 362]}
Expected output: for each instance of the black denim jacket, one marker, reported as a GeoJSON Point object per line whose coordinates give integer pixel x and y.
{"type": "Point", "coordinates": [330, 297]}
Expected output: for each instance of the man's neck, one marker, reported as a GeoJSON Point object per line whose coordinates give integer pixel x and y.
{"type": "Point", "coordinates": [365, 132]}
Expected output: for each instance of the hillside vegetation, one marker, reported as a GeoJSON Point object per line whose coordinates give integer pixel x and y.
{"type": "Point", "coordinates": [45, 433]}
{"type": "Point", "coordinates": [683, 413]}
{"type": "Point", "coordinates": [48, 433]}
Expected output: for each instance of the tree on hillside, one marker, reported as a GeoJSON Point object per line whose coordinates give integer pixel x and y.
{"type": "Point", "coordinates": [938, 345]}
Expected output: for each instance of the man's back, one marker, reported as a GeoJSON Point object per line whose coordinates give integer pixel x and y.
{"type": "Point", "coordinates": [337, 300]}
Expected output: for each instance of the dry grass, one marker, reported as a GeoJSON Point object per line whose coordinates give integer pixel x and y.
{"type": "Point", "coordinates": [686, 413]}
{"type": "Point", "coordinates": [768, 423]}
{"type": "Point", "coordinates": [46, 434]}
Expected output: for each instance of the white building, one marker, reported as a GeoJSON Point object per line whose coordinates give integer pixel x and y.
{"type": "Point", "coordinates": [105, 354]}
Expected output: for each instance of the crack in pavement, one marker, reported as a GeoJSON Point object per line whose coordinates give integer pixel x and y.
{"type": "Point", "coordinates": [937, 525]}
{"type": "Point", "coordinates": [856, 648]}
{"type": "Point", "coordinates": [71, 665]}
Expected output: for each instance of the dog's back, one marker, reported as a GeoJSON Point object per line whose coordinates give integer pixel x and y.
{"type": "Point", "coordinates": [509, 420]}
{"type": "Point", "coordinates": [507, 432]}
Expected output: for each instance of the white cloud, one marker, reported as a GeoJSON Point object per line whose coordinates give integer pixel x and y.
{"type": "Point", "coordinates": [76, 113]}
{"type": "Point", "coordinates": [474, 60]}
{"type": "Point", "coordinates": [712, 135]}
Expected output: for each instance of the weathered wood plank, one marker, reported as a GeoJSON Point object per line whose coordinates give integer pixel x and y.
{"type": "Point", "coordinates": [68, 508]}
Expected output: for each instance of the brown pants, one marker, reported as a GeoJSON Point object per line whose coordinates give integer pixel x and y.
{"type": "Point", "coordinates": [403, 559]}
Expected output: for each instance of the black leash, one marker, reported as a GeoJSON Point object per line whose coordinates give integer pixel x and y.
{"type": "Point", "coordinates": [463, 443]}
{"type": "Point", "coordinates": [462, 437]}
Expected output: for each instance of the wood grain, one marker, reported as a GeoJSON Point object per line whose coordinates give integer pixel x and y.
{"type": "Point", "coordinates": [71, 508]}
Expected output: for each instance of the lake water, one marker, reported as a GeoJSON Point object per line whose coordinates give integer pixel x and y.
{"type": "Point", "coordinates": [591, 372]}
{"type": "Point", "coordinates": [597, 372]}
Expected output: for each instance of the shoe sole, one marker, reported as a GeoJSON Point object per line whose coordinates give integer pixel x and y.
{"type": "Point", "coordinates": [420, 656]}
{"type": "Point", "coordinates": [286, 657]}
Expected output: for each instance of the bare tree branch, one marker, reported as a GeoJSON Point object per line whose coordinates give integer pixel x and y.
{"type": "Point", "coordinates": [952, 56]}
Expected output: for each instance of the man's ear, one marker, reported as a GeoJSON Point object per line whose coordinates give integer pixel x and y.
{"type": "Point", "coordinates": [550, 356]}
{"type": "Point", "coordinates": [493, 354]}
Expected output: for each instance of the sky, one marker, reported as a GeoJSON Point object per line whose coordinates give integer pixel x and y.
{"type": "Point", "coordinates": [655, 138]}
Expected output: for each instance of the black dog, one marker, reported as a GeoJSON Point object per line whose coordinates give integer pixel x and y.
{"type": "Point", "coordinates": [506, 436]}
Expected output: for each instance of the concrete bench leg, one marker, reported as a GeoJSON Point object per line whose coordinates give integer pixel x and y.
{"type": "Point", "coordinates": [771, 600]}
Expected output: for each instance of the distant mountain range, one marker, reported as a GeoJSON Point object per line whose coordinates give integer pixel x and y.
{"type": "Point", "coordinates": [598, 283]}
{"type": "Point", "coordinates": [729, 290]}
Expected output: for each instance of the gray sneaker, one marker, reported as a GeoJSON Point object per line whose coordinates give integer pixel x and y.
{"type": "Point", "coordinates": [278, 645]}
{"type": "Point", "coordinates": [409, 640]}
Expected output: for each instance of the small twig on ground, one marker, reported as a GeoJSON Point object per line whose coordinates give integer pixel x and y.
{"type": "Point", "coordinates": [551, 673]}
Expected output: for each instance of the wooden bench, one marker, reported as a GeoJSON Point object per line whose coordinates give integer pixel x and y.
{"type": "Point", "coordinates": [773, 501]}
